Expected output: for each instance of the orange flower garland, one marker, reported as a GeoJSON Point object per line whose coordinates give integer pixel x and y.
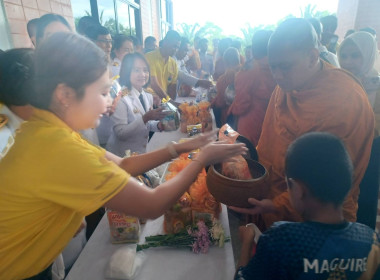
{"type": "Point", "coordinates": [201, 200]}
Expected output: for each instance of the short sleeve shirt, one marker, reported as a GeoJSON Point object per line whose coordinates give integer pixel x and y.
{"type": "Point", "coordinates": [312, 250]}
{"type": "Point", "coordinates": [50, 179]}
{"type": "Point", "coordinates": [165, 72]}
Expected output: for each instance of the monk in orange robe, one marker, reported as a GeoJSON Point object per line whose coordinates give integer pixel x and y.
{"type": "Point", "coordinates": [220, 105]}
{"type": "Point", "coordinates": [311, 96]}
{"type": "Point", "coordinates": [254, 85]}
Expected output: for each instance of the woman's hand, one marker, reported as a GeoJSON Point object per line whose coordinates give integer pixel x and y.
{"type": "Point", "coordinates": [220, 151]}
{"type": "Point", "coordinates": [196, 142]}
{"type": "Point", "coordinates": [154, 115]}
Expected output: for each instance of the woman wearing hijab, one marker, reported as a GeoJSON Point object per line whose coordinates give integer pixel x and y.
{"type": "Point", "coordinates": [358, 54]}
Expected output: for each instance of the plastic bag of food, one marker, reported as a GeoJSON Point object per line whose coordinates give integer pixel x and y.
{"type": "Point", "coordinates": [171, 121]}
{"type": "Point", "coordinates": [123, 228]}
{"type": "Point", "coordinates": [237, 168]}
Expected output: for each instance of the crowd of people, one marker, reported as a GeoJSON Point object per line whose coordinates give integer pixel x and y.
{"type": "Point", "coordinates": [72, 107]}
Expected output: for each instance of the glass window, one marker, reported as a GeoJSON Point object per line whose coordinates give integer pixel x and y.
{"type": "Point", "coordinates": [126, 15]}
{"type": "Point", "coordinates": [5, 42]}
{"type": "Point", "coordinates": [106, 10]}
{"type": "Point", "coordinates": [165, 25]}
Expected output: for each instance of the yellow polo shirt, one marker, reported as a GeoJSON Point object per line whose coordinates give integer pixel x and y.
{"type": "Point", "coordinates": [50, 179]}
{"type": "Point", "coordinates": [166, 73]}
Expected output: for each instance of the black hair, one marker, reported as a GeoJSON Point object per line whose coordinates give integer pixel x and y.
{"type": "Point", "coordinates": [223, 45]}
{"type": "Point", "coordinates": [93, 31]}
{"type": "Point", "coordinates": [84, 23]}
{"type": "Point", "coordinates": [295, 33]}
{"type": "Point", "coordinates": [31, 27]}
{"type": "Point", "coordinates": [231, 57]}
{"type": "Point", "coordinates": [260, 41]}
{"type": "Point", "coordinates": [127, 67]}
{"type": "Point", "coordinates": [349, 32]}
{"type": "Point", "coordinates": [57, 62]}
{"type": "Point", "coordinates": [203, 41]}
{"type": "Point", "coordinates": [136, 42]}
{"type": "Point", "coordinates": [44, 21]}
{"type": "Point", "coordinates": [118, 41]}
{"type": "Point", "coordinates": [148, 40]}
{"type": "Point", "coordinates": [317, 26]}
{"type": "Point", "coordinates": [184, 42]}
{"type": "Point", "coordinates": [369, 30]}
{"type": "Point", "coordinates": [172, 35]}
{"type": "Point", "coordinates": [320, 161]}
{"type": "Point", "coordinates": [16, 76]}
{"type": "Point", "coordinates": [330, 23]}
{"type": "Point", "coordinates": [236, 44]}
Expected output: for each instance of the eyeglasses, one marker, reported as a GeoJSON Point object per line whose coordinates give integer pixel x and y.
{"type": "Point", "coordinates": [105, 41]}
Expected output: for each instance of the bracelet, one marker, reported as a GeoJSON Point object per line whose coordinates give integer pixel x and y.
{"type": "Point", "coordinates": [172, 150]}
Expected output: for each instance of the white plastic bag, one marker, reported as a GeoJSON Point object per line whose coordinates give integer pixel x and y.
{"type": "Point", "coordinates": [124, 263]}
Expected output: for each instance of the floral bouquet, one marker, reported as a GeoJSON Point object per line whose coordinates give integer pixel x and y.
{"type": "Point", "coordinates": [198, 238]}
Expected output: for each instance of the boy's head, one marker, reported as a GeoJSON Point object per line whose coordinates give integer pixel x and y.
{"type": "Point", "coordinates": [318, 164]}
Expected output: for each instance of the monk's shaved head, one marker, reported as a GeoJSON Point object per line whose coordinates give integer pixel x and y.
{"type": "Point", "coordinates": [293, 54]}
{"type": "Point", "coordinates": [295, 34]}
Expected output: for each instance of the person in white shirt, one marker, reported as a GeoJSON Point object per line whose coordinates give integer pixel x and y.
{"type": "Point", "coordinates": [122, 45]}
{"type": "Point", "coordinates": [324, 53]}
{"type": "Point", "coordinates": [134, 117]}
{"type": "Point", "coordinates": [184, 77]}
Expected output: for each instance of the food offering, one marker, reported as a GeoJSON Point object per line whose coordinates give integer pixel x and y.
{"type": "Point", "coordinates": [195, 114]}
{"type": "Point", "coordinates": [233, 182]}
{"type": "Point", "coordinates": [123, 228]}
{"type": "Point", "coordinates": [171, 121]}
{"type": "Point", "coordinates": [195, 205]}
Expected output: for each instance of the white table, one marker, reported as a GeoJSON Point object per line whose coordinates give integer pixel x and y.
{"type": "Point", "coordinates": [160, 263]}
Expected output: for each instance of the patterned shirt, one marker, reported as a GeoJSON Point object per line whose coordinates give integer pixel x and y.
{"type": "Point", "coordinates": [312, 250]}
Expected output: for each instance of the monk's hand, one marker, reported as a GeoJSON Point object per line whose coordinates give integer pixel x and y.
{"type": "Point", "coordinates": [204, 84]}
{"type": "Point", "coordinates": [259, 207]}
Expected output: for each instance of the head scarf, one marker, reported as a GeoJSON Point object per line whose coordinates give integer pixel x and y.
{"type": "Point", "coordinates": [366, 43]}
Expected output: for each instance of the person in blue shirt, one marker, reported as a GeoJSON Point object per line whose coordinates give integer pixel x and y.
{"type": "Point", "coordinates": [324, 246]}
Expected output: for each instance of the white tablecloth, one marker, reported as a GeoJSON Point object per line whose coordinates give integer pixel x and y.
{"type": "Point", "coordinates": [160, 263]}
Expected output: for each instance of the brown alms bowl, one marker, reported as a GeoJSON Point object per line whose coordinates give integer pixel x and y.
{"type": "Point", "coordinates": [233, 192]}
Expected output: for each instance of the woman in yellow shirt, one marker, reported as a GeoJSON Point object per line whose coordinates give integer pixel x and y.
{"type": "Point", "coordinates": [52, 178]}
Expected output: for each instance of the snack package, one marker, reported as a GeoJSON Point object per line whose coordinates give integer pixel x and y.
{"type": "Point", "coordinates": [194, 129]}
{"type": "Point", "coordinates": [238, 169]}
{"type": "Point", "coordinates": [178, 216]}
{"type": "Point", "coordinates": [171, 121]}
{"type": "Point", "coordinates": [123, 228]}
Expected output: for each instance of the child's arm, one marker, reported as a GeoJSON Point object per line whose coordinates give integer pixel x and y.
{"type": "Point", "coordinates": [247, 238]}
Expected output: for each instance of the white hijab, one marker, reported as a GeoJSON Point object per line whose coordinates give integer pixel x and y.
{"type": "Point", "coordinates": [366, 43]}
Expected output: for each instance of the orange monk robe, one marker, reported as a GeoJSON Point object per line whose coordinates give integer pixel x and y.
{"type": "Point", "coordinates": [194, 62]}
{"type": "Point", "coordinates": [332, 102]}
{"type": "Point", "coordinates": [220, 68]}
{"type": "Point", "coordinates": [253, 88]}
{"type": "Point", "coordinates": [219, 102]}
